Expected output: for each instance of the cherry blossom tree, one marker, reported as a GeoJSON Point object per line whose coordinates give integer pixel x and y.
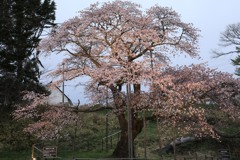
{"type": "Point", "coordinates": [179, 97]}
{"type": "Point", "coordinates": [47, 122]}
{"type": "Point", "coordinates": [117, 43]}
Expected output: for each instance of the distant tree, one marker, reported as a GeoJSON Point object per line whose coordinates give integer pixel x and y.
{"type": "Point", "coordinates": [230, 41]}
{"type": "Point", "coordinates": [118, 44]}
{"type": "Point", "coordinates": [21, 25]}
{"type": "Point", "coordinates": [236, 62]}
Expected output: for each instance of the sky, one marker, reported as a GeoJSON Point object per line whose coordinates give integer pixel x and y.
{"type": "Point", "coordinates": [210, 16]}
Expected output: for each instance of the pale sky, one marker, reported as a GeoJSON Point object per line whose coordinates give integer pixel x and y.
{"type": "Point", "coordinates": [210, 16]}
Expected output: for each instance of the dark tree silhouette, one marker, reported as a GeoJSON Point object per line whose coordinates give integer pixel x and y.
{"type": "Point", "coordinates": [21, 25]}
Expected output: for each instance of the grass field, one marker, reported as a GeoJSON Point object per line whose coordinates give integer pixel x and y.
{"type": "Point", "coordinates": [22, 155]}
{"type": "Point", "coordinates": [64, 155]}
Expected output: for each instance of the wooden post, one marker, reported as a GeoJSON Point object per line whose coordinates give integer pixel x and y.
{"type": "Point", "coordinates": [130, 140]}
{"type": "Point", "coordinates": [159, 135]}
{"type": "Point", "coordinates": [107, 123]}
{"type": "Point", "coordinates": [33, 152]}
{"type": "Point", "coordinates": [174, 149]}
{"type": "Point", "coordinates": [106, 133]}
{"type": "Point", "coordinates": [196, 156]}
{"type": "Point", "coordinates": [102, 144]}
{"type": "Point", "coordinates": [145, 135]}
{"type": "Point", "coordinates": [88, 145]}
{"type": "Point", "coordinates": [111, 142]}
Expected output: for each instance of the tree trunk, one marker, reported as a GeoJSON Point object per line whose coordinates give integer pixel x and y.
{"type": "Point", "coordinates": [121, 150]}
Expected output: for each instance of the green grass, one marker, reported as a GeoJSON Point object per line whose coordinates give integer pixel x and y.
{"type": "Point", "coordinates": [13, 155]}
{"type": "Point", "coordinates": [88, 154]}
{"type": "Point", "coordinates": [65, 155]}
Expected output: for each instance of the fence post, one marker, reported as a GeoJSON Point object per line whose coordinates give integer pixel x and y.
{"type": "Point", "coordinates": [102, 145]}
{"type": "Point", "coordinates": [196, 156]}
{"type": "Point", "coordinates": [111, 142]}
{"type": "Point", "coordinates": [33, 152]}
{"type": "Point", "coordinates": [211, 154]}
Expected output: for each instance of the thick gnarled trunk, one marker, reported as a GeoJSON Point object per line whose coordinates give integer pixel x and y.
{"type": "Point", "coordinates": [122, 148]}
